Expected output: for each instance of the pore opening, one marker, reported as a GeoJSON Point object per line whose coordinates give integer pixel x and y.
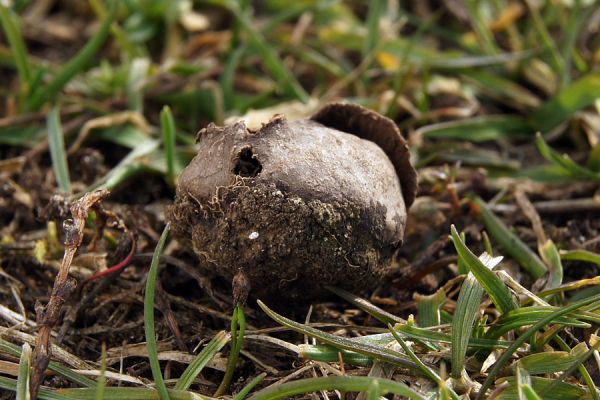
{"type": "Point", "coordinates": [247, 164]}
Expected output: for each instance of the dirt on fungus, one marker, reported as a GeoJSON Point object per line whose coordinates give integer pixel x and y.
{"type": "Point", "coordinates": [298, 205]}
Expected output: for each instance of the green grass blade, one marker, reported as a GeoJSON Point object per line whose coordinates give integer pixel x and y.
{"type": "Point", "coordinates": [373, 392]}
{"type": "Point", "coordinates": [57, 151]}
{"type": "Point", "coordinates": [366, 306]}
{"type": "Point", "coordinates": [529, 315]}
{"type": "Point", "coordinates": [102, 378]}
{"type": "Point", "coordinates": [577, 20]}
{"type": "Point", "coordinates": [428, 308]}
{"type": "Point", "coordinates": [327, 353]}
{"type": "Point", "coordinates": [551, 257]}
{"type": "Point", "coordinates": [564, 391]}
{"type": "Point", "coordinates": [578, 361]}
{"type": "Point", "coordinates": [167, 125]}
{"type": "Point", "coordinates": [494, 287]}
{"type": "Point", "coordinates": [429, 336]}
{"type": "Point", "coordinates": [193, 370]}
{"type": "Point", "coordinates": [564, 161]}
{"type": "Point", "coordinates": [529, 393]}
{"type": "Point", "coordinates": [580, 255]}
{"type": "Point", "coordinates": [502, 89]}
{"type": "Point", "coordinates": [467, 309]}
{"type": "Point", "coordinates": [546, 362]}
{"type": "Point", "coordinates": [342, 383]}
{"type": "Point", "coordinates": [130, 165]}
{"type": "Point", "coordinates": [485, 36]}
{"type": "Point", "coordinates": [251, 385]}
{"type": "Point", "coordinates": [546, 39]}
{"type": "Point", "coordinates": [130, 393]}
{"type": "Point", "coordinates": [582, 369]}
{"type": "Point", "coordinates": [17, 45]}
{"type": "Point", "coordinates": [228, 76]}
{"type": "Point", "coordinates": [479, 129]}
{"type": "Point", "coordinates": [238, 328]}
{"type": "Point", "coordinates": [510, 242]}
{"type": "Point", "coordinates": [523, 380]}
{"type": "Point", "coordinates": [23, 377]}
{"type": "Point", "coordinates": [75, 65]}
{"type": "Point", "coordinates": [376, 8]}
{"type": "Point", "coordinates": [505, 357]}
{"type": "Point", "coordinates": [270, 58]}
{"type": "Point", "coordinates": [376, 352]}
{"type": "Point", "coordinates": [427, 371]}
{"type": "Point", "coordinates": [149, 317]}
{"type": "Point", "coordinates": [438, 337]}
{"type": "Point", "coordinates": [44, 394]}
{"type": "Point", "coordinates": [567, 102]}
{"type": "Point", "coordinates": [524, 388]}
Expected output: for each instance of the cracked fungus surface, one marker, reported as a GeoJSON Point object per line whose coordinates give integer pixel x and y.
{"type": "Point", "coordinates": [296, 205]}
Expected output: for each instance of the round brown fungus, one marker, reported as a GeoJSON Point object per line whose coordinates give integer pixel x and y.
{"type": "Point", "coordinates": [298, 205]}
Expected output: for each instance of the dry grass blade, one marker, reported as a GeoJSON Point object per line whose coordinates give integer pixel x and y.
{"type": "Point", "coordinates": [367, 306]}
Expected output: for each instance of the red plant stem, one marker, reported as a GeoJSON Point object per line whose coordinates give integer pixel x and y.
{"type": "Point", "coordinates": [121, 264]}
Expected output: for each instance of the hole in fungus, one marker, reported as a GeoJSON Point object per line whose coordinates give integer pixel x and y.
{"type": "Point", "coordinates": [247, 164]}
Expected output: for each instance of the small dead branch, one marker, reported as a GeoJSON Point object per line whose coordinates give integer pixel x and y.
{"type": "Point", "coordinates": [47, 317]}
{"type": "Point", "coordinates": [128, 240]}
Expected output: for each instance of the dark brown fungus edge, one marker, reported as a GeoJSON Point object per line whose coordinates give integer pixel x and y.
{"type": "Point", "coordinates": [369, 125]}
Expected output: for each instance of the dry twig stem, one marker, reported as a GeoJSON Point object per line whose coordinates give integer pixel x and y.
{"type": "Point", "coordinates": [48, 317]}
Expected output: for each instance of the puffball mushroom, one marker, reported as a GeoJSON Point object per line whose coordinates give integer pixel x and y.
{"type": "Point", "coordinates": [297, 205]}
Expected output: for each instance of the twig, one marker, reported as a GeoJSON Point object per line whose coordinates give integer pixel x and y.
{"type": "Point", "coordinates": [48, 317]}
